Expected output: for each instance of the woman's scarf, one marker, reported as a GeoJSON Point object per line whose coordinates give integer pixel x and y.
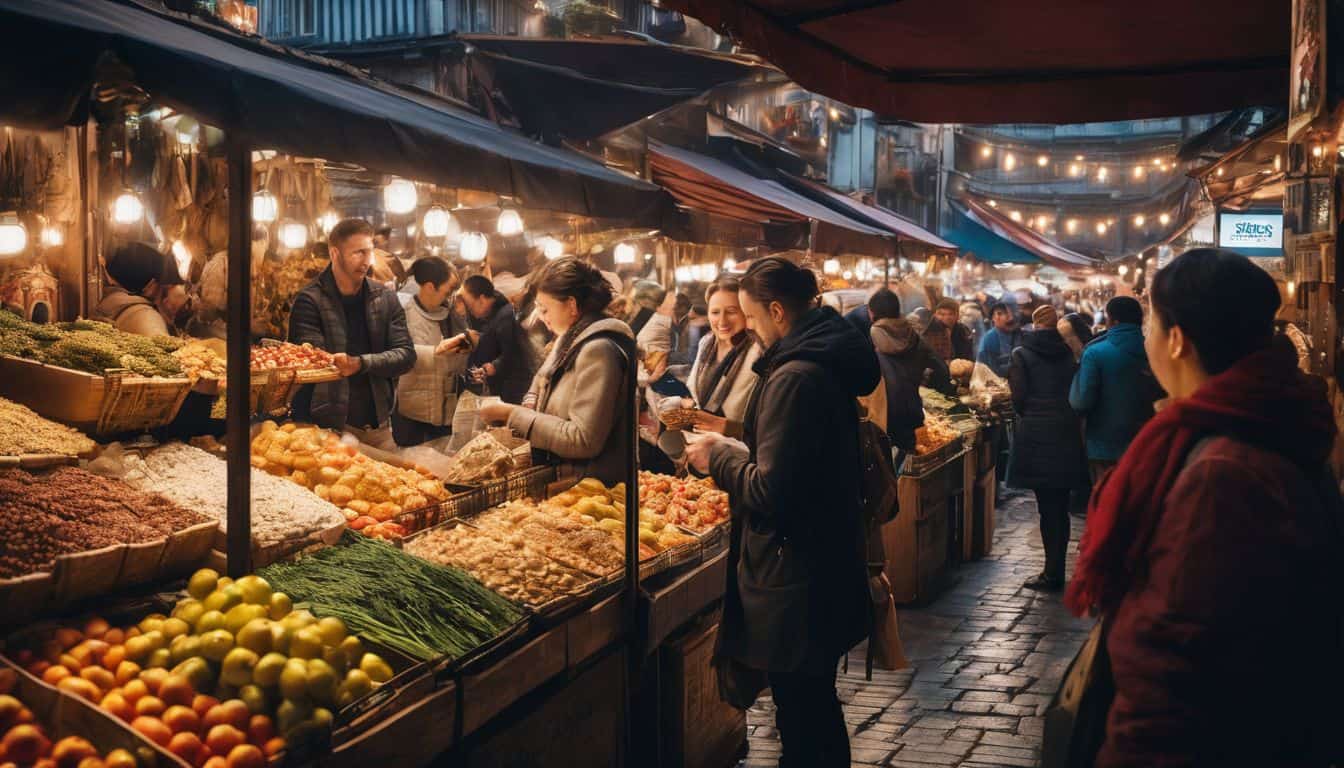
{"type": "Point", "coordinates": [714, 380]}
{"type": "Point", "coordinates": [1263, 399]}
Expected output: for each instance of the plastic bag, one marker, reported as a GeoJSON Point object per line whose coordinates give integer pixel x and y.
{"type": "Point", "coordinates": [465, 421]}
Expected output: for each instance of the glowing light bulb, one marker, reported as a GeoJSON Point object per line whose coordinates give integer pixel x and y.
{"type": "Point", "coordinates": [52, 237]}
{"type": "Point", "coordinates": [993, 203]}
{"type": "Point", "coordinates": [835, 113]}
{"type": "Point", "coordinates": [1071, 225]}
{"type": "Point", "coordinates": [1075, 169]}
{"type": "Point", "coordinates": [624, 253]}
{"type": "Point", "coordinates": [1138, 222]}
{"type": "Point", "coordinates": [551, 248]}
{"type": "Point", "coordinates": [1124, 270]}
{"type": "Point", "coordinates": [473, 246]}
{"type": "Point", "coordinates": [293, 235]}
{"type": "Point", "coordinates": [986, 151]}
{"type": "Point", "coordinates": [127, 208]}
{"type": "Point", "coordinates": [399, 196]}
{"type": "Point", "coordinates": [1164, 219]}
{"type": "Point", "coordinates": [1101, 174]}
{"type": "Point", "coordinates": [1101, 227]}
{"type": "Point", "coordinates": [435, 222]}
{"type": "Point", "coordinates": [1292, 288]}
{"type": "Point", "coordinates": [831, 266]}
{"type": "Point", "coordinates": [510, 223]}
{"type": "Point", "coordinates": [1138, 171]}
{"type": "Point", "coordinates": [848, 275]}
{"type": "Point", "coordinates": [1219, 172]}
{"type": "Point", "coordinates": [13, 235]}
{"type": "Point", "coordinates": [265, 208]}
{"type": "Point", "coordinates": [1042, 161]}
{"type": "Point", "coordinates": [1015, 216]}
{"type": "Point", "coordinates": [1041, 222]}
{"type": "Point", "coordinates": [1009, 161]}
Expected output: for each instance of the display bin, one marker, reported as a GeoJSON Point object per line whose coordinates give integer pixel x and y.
{"type": "Point", "coordinates": [413, 733]}
{"type": "Point", "coordinates": [918, 464]}
{"type": "Point", "coordinates": [917, 540]}
{"type": "Point", "coordinates": [664, 609]}
{"type": "Point", "coordinates": [266, 554]}
{"type": "Point", "coordinates": [982, 518]}
{"type": "Point", "coordinates": [62, 715]}
{"type": "Point", "coordinates": [699, 730]}
{"type": "Point", "coordinates": [593, 629]}
{"type": "Point", "coordinates": [115, 402]}
{"type": "Point", "coordinates": [486, 693]}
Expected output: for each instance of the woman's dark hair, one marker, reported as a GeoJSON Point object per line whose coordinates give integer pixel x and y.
{"type": "Point", "coordinates": [1124, 309]}
{"type": "Point", "coordinates": [775, 278]}
{"type": "Point", "coordinates": [432, 270]}
{"type": "Point", "coordinates": [570, 278]}
{"type": "Point", "coordinates": [725, 283]}
{"type": "Point", "coordinates": [884, 304]}
{"type": "Point", "coordinates": [479, 285]}
{"type": "Point", "coordinates": [1221, 301]}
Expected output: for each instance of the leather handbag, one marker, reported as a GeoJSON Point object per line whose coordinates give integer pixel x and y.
{"type": "Point", "coordinates": [1075, 722]}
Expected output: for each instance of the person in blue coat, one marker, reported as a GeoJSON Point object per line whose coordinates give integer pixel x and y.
{"type": "Point", "coordinates": [1114, 389]}
{"type": "Point", "coordinates": [998, 343]}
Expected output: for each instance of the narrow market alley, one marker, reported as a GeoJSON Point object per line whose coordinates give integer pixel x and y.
{"type": "Point", "coordinates": [986, 657]}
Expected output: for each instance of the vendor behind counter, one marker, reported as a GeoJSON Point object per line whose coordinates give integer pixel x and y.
{"type": "Point", "coordinates": [143, 279]}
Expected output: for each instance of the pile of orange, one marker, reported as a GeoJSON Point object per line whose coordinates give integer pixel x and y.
{"type": "Point", "coordinates": [24, 742]}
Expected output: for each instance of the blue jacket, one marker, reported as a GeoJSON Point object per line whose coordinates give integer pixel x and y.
{"type": "Point", "coordinates": [1114, 390]}
{"type": "Point", "coordinates": [996, 350]}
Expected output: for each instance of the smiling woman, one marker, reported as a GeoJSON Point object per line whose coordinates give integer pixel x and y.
{"type": "Point", "coordinates": [722, 379]}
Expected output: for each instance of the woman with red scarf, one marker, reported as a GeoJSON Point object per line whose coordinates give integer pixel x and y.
{"type": "Point", "coordinates": [1212, 551]}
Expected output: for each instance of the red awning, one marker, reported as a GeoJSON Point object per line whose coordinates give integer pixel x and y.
{"type": "Point", "coordinates": [1049, 251]}
{"type": "Point", "coordinates": [903, 228]}
{"type": "Point", "coordinates": [1044, 61]}
{"type": "Point", "coordinates": [704, 183]}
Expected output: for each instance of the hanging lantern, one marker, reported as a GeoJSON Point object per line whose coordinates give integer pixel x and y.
{"type": "Point", "coordinates": [623, 254]}
{"type": "Point", "coordinates": [436, 222]}
{"type": "Point", "coordinates": [181, 257]}
{"type": "Point", "coordinates": [551, 248]}
{"type": "Point", "coordinates": [399, 196]}
{"type": "Point", "coordinates": [127, 208]}
{"type": "Point", "coordinates": [328, 221]}
{"type": "Point", "coordinates": [13, 235]}
{"type": "Point", "coordinates": [1123, 270]}
{"type": "Point", "coordinates": [293, 235]}
{"type": "Point", "coordinates": [52, 237]}
{"type": "Point", "coordinates": [831, 266]}
{"type": "Point", "coordinates": [473, 246]}
{"type": "Point", "coordinates": [510, 223]}
{"type": "Point", "coordinates": [265, 208]}
{"type": "Point", "coordinates": [187, 130]}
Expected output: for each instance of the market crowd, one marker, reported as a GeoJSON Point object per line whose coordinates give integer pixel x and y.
{"type": "Point", "coordinates": [1185, 427]}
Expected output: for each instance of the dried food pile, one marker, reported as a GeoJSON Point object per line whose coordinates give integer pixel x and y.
{"type": "Point", "coordinates": [201, 360]}
{"type": "Point", "coordinates": [515, 570]}
{"type": "Point", "coordinates": [89, 346]}
{"type": "Point", "coordinates": [483, 458]}
{"type": "Point", "coordinates": [23, 432]}
{"type": "Point", "coordinates": [68, 510]}
{"type": "Point", "coordinates": [692, 503]}
{"type": "Point", "coordinates": [281, 511]}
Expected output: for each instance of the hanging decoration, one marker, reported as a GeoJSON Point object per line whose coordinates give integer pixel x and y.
{"type": "Point", "coordinates": [399, 197]}
{"type": "Point", "coordinates": [510, 223]}
{"type": "Point", "coordinates": [473, 246]}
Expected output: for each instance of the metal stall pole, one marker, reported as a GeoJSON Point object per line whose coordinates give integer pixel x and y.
{"type": "Point", "coordinates": [634, 633]}
{"type": "Point", "coordinates": [238, 419]}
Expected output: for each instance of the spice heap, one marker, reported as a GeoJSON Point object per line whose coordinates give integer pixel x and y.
{"type": "Point", "coordinates": [199, 360]}
{"type": "Point", "coordinates": [363, 487]}
{"type": "Point", "coordinates": [24, 432]}
{"type": "Point", "coordinates": [423, 610]}
{"type": "Point", "coordinates": [694, 503]}
{"type": "Point", "coordinates": [281, 511]}
{"type": "Point", "coordinates": [89, 346]}
{"type": "Point", "coordinates": [69, 510]}
{"type": "Point", "coordinates": [521, 573]}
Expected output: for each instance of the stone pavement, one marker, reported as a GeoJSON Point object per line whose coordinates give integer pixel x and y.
{"type": "Point", "coordinates": [986, 656]}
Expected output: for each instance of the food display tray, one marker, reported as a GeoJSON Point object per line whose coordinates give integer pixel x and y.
{"type": "Point", "coordinates": [264, 555]}
{"type": "Point", "coordinates": [115, 402]}
{"type": "Point", "coordinates": [918, 464]}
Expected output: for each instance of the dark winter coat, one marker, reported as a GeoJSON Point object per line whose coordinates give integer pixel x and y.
{"type": "Point", "coordinates": [1239, 604]}
{"type": "Point", "coordinates": [996, 349]}
{"type": "Point", "coordinates": [896, 339]}
{"type": "Point", "coordinates": [318, 318]}
{"type": "Point", "coordinates": [1114, 390]}
{"type": "Point", "coordinates": [1047, 437]}
{"type": "Point", "coordinates": [949, 345]}
{"type": "Point", "coordinates": [504, 344]}
{"type": "Point", "coordinates": [797, 594]}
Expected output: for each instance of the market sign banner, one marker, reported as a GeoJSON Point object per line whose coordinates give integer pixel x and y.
{"type": "Point", "coordinates": [1252, 233]}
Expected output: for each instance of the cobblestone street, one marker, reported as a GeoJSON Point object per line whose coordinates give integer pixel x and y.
{"type": "Point", "coordinates": [986, 657]}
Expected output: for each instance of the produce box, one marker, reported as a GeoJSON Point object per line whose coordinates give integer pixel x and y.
{"type": "Point", "coordinates": [594, 629]}
{"type": "Point", "coordinates": [264, 554]}
{"type": "Point", "coordinates": [918, 464]}
{"type": "Point", "coordinates": [488, 692]}
{"type": "Point", "coordinates": [404, 676]}
{"type": "Point", "coordinates": [699, 730]}
{"type": "Point", "coordinates": [115, 402]}
{"type": "Point", "coordinates": [671, 606]}
{"type": "Point", "coordinates": [61, 716]}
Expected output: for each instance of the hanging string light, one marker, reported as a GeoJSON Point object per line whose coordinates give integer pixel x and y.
{"type": "Point", "coordinates": [1139, 220]}
{"type": "Point", "coordinates": [1009, 161]}
{"type": "Point", "coordinates": [1124, 270]}
{"type": "Point", "coordinates": [1042, 161]}
{"type": "Point", "coordinates": [1101, 227]}
{"type": "Point", "coordinates": [293, 235]}
{"type": "Point", "coordinates": [1041, 222]}
{"type": "Point", "coordinates": [1015, 216]}
{"type": "Point", "coordinates": [265, 208]}
{"type": "Point", "coordinates": [1101, 174]}
{"type": "Point", "coordinates": [1075, 169]}
{"type": "Point", "coordinates": [993, 203]}
{"type": "Point", "coordinates": [1071, 225]}
{"type": "Point", "coordinates": [1138, 171]}
{"type": "Point", "coordinates": [986, 151]}
{"type": "Point", "coordinates": [1164, 219]}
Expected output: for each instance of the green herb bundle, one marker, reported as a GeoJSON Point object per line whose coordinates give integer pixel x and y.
{"type": "Point", "coordinates": [423, 610]}
{"type": "Point", "coordinates": [89, 346]}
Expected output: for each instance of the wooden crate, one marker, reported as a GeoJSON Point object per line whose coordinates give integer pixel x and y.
{"type": "Point", "coordinates": [576, 725]}
{"type": "Point", "coordinates": [487, 693]}
{"type": "Point", "coordinates": [699, 730]}
{"type": "Point", "coordinates": [593, 630]}
{"type": "Point", "coordinates": [916, 542]}
{"type": "Point", "coordinates": [412, 736]}
{"type": "Point", "coordinates": [668, 608]}
{"type": "Point", "coordinates": [99, 405]}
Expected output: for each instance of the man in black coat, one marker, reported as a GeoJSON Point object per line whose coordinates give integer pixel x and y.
{"type": "Point", "coordinates": [363, 325]}
{"type": "Point", "coordinates": [503, 354]}
{"type": "Point", "coordinates": [797, 598]}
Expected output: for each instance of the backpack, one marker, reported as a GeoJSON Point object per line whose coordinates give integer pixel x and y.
{"type": "Point", "coordinates": [877, 483]}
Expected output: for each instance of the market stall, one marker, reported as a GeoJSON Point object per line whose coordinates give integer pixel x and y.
{"type": "Point", "coordinates": [367, 596]}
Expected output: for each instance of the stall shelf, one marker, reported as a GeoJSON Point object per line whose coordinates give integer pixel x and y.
{"type": "Point", "coordinates": [917, 540]}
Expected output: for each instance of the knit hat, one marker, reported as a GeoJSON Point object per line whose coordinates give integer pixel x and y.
{"type": "Point", "coordinates": [1045, 316]}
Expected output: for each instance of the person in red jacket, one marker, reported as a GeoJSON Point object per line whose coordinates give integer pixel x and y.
{"type": "Point", "coordinates": [1212, 551]}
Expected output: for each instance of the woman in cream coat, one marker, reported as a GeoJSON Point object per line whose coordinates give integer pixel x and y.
{"type": "Point", "coordinates": [427, 395]}
{"type": "Point", "coordinates": [722, 379]}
